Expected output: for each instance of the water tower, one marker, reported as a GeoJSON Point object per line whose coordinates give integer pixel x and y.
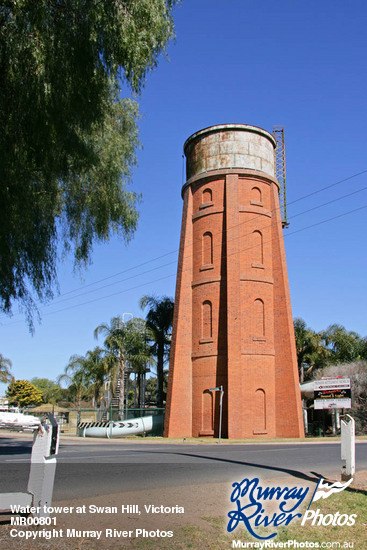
{"type": "Point", "coordinates": [233, 323]}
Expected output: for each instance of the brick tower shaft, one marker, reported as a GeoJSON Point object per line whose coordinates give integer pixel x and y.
{"type": "Point", "coordinates": [232, 321]}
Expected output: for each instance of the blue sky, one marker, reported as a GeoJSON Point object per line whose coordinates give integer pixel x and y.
{"type": "Point", "coordinates": [259, 62]}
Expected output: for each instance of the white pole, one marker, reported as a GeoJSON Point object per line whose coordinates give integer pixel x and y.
{"type": "Point", "coordinates": [348, 446]}
{"type": "Point", "coordinates": [220, 389]}
{"type": "Point", "coordinates": [42, 472]}
{"type": "Point", "coordinates": [220, 411]}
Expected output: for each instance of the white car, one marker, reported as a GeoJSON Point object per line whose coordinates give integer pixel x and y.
{"type": "Point", "coordinates": [18, 421]}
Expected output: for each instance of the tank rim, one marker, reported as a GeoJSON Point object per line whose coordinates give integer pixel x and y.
{"type": "Point", "coordinates": [230, 126]}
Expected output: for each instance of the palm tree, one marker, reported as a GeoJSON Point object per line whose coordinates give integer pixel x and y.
{"type": "Point", "coordinates": [311, 352]}
{"type": "Point", "coordinates": [137, 350]}
{"type": "Point", "coordinates": [74, 376]}
{"type": "Point", "coordinates": [114, 344]}
{"type": "Point", "coordinates": [96, 372]}
{"type": "Point", "coordinates": [86, 375]}
{"type": "Point", "coordinates": [159, 320]}
{"type": "Point", "coordinates": [5, 368]}
{"type": "Point", "coordinates": [344, 346]}
{"type": "Point", "coordinates": [125, 343]}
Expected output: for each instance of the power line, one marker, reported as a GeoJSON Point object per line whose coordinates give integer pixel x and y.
{"type": "Point", "coordinates": [121, 272]}
{"type": "Point", "coordinates": [58, 301]}
{"type": "Point", "coordinates": [115, 283]}
{"type": "Point", "coordinates": [247, 221]}
{"type": "Point", "coordinates": [328, 187]}
{"type": "Point", "coordinates": [219, 232]}
{"type": "Point", "coordinates": [246, 249]}
{"type": "Point", "coordinates": [174, 274]}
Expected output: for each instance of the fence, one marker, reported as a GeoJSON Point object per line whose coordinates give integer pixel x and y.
{"type": "Point", "coordinates": [69, 421]}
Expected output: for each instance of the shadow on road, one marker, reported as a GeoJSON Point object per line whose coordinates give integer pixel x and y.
{"type": "Point", "coordinates": [10, 446]}
{"type": "Point", "coordinates": [314, 477]}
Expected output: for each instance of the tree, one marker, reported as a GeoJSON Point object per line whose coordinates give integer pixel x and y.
{"type": "Point", "coordinates": [114, 345]}
{"type": "Point", "coordinates": [159, 320]}
{"type": "Point", "coordinates": [363, 351]}
{"type": "Point", "coordinates": [151, 390]}
{"type": "Point", "coordinates": [86, 375]}
{"type": "Point", "coordinates": [96, 372]}
{"type": "Point", "coordinates": [311, 353]}
{"type": "Point", "coordinates": [51, 392]}
{"type": "Point", "coordinates": [5, 368]}
{"type": "Point", "coordinates": [345, 346]}
{"type": "Point", "coordinates": [68, 137]}
{"type": "Point", "coordinates": [125, 343]}
{"type": "Point", "coordinates": [316, 350]}
{"type": "Point", "coordinates": [137, 351]}
{"type": "Point", "coordinates": [22, 393]}
{"type": "Point", "coordinates": [74, 376]}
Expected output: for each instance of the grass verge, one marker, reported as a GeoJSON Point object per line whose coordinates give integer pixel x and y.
{"type": "Point", "coordinates": [213, 534]}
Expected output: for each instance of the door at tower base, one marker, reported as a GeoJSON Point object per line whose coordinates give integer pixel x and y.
{"type": "Point", "coordinates": [233, 322]}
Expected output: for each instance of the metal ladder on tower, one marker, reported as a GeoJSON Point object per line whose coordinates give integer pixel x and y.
{"type": "Point", "coordinates": [279, 158]}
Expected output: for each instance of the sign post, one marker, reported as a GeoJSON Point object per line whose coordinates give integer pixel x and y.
{"type": "Point", "coordinates": [220, 389]}
{"type": "Point", "coordinates": [335, 393]}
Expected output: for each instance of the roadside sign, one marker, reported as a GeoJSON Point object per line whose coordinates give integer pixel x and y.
{"type": "Point", "coordinates": [331, 383]}
{"type": "Point", "coordinates": [332, 393]}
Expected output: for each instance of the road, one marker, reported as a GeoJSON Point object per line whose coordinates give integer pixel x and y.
{"type": "Point", "coordinates": [120, 466]}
